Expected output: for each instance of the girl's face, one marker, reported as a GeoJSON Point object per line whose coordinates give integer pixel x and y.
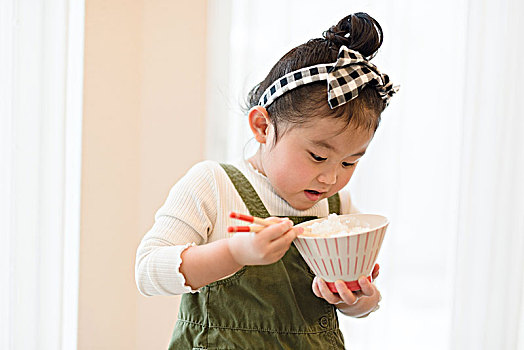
{"type": "Point", "coordinates": [313, 161]}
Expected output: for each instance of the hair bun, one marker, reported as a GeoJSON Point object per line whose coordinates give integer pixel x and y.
{"type": "Point", "coordinates": [359, 32]}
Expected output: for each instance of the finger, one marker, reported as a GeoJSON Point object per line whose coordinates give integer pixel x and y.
{"type": "Point", "coordinates": [326, 293]}
{"type": "Point", "coordinates": [285, 240]}
{"type": "Point", "coordinates": [345, 293]}
{"type": "Point", "coordinates": [275, 230]}
{"type": "Point", "coordinates": [375, 272]}
{"type": "Point", "coordinates": [366, 287]}
{"type": "Point", "coordinates": [314, 285]}
{"type": "Point", "coordinates": [273, 220]}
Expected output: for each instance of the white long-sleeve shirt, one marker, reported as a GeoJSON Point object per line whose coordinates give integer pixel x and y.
{"type": "Point", "coordinates": [197, 212]}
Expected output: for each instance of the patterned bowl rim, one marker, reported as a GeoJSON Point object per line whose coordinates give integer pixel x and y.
{"type": "Point", "coordinates": [310, 222]}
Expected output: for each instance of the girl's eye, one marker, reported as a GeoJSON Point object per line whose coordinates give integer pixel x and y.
{"type": "Point", "coordinates": [348, 165]}
{"type": "Point", "coordinates": [317, 158]}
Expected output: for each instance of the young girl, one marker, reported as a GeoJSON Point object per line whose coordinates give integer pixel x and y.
{"type": "Point", "coordinates": [314, 116]}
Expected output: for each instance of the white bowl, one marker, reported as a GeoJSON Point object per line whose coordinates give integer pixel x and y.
{"type": "Point", "coordinates": [345, 257]}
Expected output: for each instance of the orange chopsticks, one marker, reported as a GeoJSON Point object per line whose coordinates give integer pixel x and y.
{"type": "Point", "coordinates": [260, 224]}
{"type": "Point", "coordinates": [248, 218]}
{"type": "Point", "coordinates": [253, 228]}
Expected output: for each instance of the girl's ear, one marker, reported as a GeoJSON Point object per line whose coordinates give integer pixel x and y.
{"type": "Point", "coordinates": [259, 123]}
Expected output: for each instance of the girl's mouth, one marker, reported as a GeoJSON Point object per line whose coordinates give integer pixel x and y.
{"type": "Point", "coordinates": [313, 195]}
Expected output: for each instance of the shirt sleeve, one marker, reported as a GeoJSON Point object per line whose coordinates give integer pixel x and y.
{"type": "Point", "coordinates": [186, 218]}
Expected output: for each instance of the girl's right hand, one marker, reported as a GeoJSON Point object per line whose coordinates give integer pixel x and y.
{"type": "Point", "coordinates": [266, 246]}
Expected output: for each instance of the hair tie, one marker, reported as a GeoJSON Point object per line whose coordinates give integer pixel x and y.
{"type": "Point", "coordinates": [344, 79]}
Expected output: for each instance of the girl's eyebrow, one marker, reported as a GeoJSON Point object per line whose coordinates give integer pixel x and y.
{"type": "Point", "coordinates": [323, 144]}
{"type": "Point", "coordinates": [327, 145]}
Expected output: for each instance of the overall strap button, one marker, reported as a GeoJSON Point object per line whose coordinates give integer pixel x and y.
{"type": "Point", "coordinates": [324, 322]}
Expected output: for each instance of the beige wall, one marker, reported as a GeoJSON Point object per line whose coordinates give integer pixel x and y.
{"type": "Point", "coordinates": [143, 128]}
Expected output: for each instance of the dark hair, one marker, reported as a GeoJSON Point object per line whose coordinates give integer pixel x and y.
{"type": "Point", "coordinates": [359, 32]}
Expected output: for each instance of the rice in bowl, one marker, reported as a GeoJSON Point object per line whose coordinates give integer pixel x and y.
{"type": "Point", "coordinates": [336, 226]}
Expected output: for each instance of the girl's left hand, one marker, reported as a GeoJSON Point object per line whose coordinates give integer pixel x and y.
{"type": "Point", "coordinates": [355, 304]}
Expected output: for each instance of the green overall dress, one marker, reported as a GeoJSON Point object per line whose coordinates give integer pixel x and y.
{"type": "Point", "coordinates": [259, 307]}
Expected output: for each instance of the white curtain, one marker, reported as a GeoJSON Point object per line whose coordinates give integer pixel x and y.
{"type": "Point", "coordinates": [488, 288]}
{"type": "Point", "coordinates": [41, 69]}
{"type": "Point", "coordinates": [446, 165]}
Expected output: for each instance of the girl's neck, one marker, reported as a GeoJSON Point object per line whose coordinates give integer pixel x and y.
{"type": "Point", "coordinates": [256, 162]}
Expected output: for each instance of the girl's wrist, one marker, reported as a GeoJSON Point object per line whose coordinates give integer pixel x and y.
{"type": "Point", "coordinates": [207, 263]}
{"type": "Point", "coordinates": [357, 315]}
{"type": "Point", "coordinates": [231, 249]}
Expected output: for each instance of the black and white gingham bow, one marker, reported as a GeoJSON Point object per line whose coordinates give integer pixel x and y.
{"type": "Point", "coordinates": [345, 78]}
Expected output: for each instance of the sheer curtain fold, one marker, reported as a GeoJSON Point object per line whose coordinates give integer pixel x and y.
{"type": "Point", "coordinates": [445, 167]}
{"type": "Point", "coordinates": [6, 142]}
{"type": "Point", "coordinates": [490, 239]}
{"type": "Point", "coordinates": [42, 58]}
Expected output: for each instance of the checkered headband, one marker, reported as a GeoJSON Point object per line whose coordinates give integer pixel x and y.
{"type": "Point", "coordinates": [344, 78]}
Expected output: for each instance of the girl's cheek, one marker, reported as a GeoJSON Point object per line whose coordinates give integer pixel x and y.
{"type": "Point", "coordinates": [297, 165]}
{"type": "Point", "coordinates": [344, 179]}
{"type": "Point", "coordinates": [307, 173]}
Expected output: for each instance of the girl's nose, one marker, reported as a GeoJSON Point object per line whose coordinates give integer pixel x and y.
{"type": "Point", "coordinates": [328, 177]}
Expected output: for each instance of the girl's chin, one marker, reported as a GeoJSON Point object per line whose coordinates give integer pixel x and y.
{"type": "Point", "coordinates": [302, 207]}
{"type": "Point", "coordinates": [303, 204]}
{"type": "Point", "coordinates": [302, 200]}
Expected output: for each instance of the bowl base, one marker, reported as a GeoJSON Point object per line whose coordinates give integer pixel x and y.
{"type": "Point", "coordinates": [352, 285]}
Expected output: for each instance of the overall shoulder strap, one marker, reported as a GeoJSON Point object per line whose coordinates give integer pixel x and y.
{"type": "Point", "coordinates": [334, 204]}
{"type": "Point", "coordinates": [246, 191]}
